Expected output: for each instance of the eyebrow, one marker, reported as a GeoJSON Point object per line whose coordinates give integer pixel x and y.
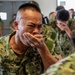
{"type": "Point", "coordinates": [35, 24]}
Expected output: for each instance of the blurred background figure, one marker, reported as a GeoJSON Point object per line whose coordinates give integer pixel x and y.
{"type": "Point", "coordinates": [52, 15]}
{"type": "Point", "coordinates": [71, 12]}
{"type": "Point", "coordinates": [62, 41]}
{"type": "Point", "coordinates": [11, 23]}
{"type": "Point", "coordinates": [59, 8]}
{"type": "Point", "coordinates": [1, 27]}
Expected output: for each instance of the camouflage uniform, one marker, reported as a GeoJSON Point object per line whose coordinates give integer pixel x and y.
{"type": "Point", "coordinates": [29, 63]}
{"type": "Point", "coordinates": [11, 63]}
{"type": "Point", "coordinates": [49, 38]}
{"type": "Point", "coordinates": [63, 67]}
{"type": "Point", "coordinates": [71, 24]}
{"type": "Point", "coordinates": [62, 40]}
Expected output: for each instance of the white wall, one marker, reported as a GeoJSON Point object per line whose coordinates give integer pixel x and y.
{"type": "Point", "coordinates": [47, 6]}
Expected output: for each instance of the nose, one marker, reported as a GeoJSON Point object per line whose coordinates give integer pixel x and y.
{"type": "Point", "coordinates": [36, 31]}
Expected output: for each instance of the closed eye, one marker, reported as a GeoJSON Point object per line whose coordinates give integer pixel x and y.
{"type": "Point", "coordinates": [31, 26]}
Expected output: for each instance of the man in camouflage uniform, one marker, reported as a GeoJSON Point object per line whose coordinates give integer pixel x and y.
{"type": "Point", "coordinates": [1, 27]}
{"type": "Point", "coordinates": [64, 67]}
{"type": "Point", "coordinates": [62, 39]}
{"type": "Point", "coordinates": [24, 51]}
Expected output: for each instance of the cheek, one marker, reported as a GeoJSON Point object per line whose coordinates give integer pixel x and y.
{"type": "Point", "coordinates": [26, 29]}
{"type": "Point", "coordinates": [40, 31]}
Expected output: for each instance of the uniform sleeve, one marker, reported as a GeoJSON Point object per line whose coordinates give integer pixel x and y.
{"type": "Point", "coordinates": [73, 37]}
{"type": "Point", "coordinates": [49, 37]}
{"type": "Point", "coordinates": [71, 24]}
{"type": "Point", "coordinates": [63, 67]}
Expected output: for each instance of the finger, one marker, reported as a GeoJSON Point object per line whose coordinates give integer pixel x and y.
{"type": "Point", "coordinates": [29, 39]}
{"type": "Point", "coordinates": [26, 40]}
{"type": "Point", "coordinates": [39, 36]}
{"type": "Point", "coordinates": [32, 40]}
{"type": "Point", "coordinates": [35, 40]}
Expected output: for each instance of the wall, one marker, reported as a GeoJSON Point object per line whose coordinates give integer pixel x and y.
{"type": "Point", "coordinates": [11, 7]}
{"type": "Point", "coordinates": [47, 6]}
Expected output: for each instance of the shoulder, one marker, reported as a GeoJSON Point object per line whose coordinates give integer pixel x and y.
{"type": "Point", "coordinates": [4, 40]}
{"type": "Point", "coordinates": [65, 66]}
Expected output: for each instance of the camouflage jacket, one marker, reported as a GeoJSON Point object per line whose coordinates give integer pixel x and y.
{"type": "Point", "coordinates": [49, 38]}
{"type": "Point", "coordinates": [71, 24]}
{"type": "Point", "coordinates": [62, 40]}
{"type": "Point", "coordinates": [63, 67]}
{"type": "Point", "coordinates": [13, 64]}
{"type": "Point", "coordinates": [28, 64]}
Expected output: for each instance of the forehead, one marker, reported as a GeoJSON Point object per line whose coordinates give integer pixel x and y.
{"type": "Point", "coordinates": [59, 21]}
{"type": "Point", "coordinates": [29, 14]}
{"type": "Point", "coordinates": [28, 11]}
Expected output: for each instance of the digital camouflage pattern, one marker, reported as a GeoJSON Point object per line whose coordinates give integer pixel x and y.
{"type": "Point", "coordinates": [71, 24]}
{"type": "Point", "coordinates": [49, 38]}
{"type": "Point", "coordinates": [62, 40]}
{"type": "Point", "coordinates": [63, 67]}
{"type": "Point", "coordinates": [13, 64]}
{"type": "Point", "coordinates": [28, 64]}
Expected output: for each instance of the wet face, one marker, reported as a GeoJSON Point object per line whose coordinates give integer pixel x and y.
{"type": "Point", "coordinates": [30, 21]}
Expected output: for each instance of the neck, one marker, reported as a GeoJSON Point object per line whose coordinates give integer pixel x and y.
{"type": "Point", "coordinates": [17, 46]}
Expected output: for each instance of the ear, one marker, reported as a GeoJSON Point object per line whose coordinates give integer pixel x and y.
{"type": "Point", "coordinates": [16, 25]}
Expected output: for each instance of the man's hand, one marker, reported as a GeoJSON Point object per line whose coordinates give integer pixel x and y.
{"type": "Point", "coordinates": [33, 40]}
{"type": "Point", "coordinates": [62, 25]}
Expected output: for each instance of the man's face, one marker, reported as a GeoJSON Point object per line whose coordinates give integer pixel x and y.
{"type": "Point", "coordinates": [61, 24]}
{"type": "Point", "coordinates": [30, 21]}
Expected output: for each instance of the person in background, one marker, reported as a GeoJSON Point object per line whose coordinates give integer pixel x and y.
{"type": "Point", "coordinates": [59, 8]}
{"type": "Point", "coordinates": [52, 21]}
{"type": "Point", "coordinates": [71, 12]}
{"type": "Point", "coordinates": [24, 51]}
{"type": "Point", "coordinates": [71, 22]}
{"type": "Point", "coordinates": [52, 15]}
{"type": "Point", "coordinates": [1, 27]}
{"type": "Point", "coordinates": [62, 39]}
{"type": "Point", "coordinates": [65, 66]}
{"type": "Point", "coordinates": [11, 26]}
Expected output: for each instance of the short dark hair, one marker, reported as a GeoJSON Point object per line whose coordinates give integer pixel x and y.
{"type": "Point", "coordinates": [59, 8]}
{"type": "Point", "coordinates": [32, 4]}
{"type": "Point", "coordinates": [62, 15]}
{"type": "Point", "coordinates": [51, 13]}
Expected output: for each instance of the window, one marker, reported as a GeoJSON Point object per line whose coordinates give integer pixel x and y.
{"type": "Point", "coordinates": [3, 15]}
{"type": "Point", "coordinates": [68, 4]}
